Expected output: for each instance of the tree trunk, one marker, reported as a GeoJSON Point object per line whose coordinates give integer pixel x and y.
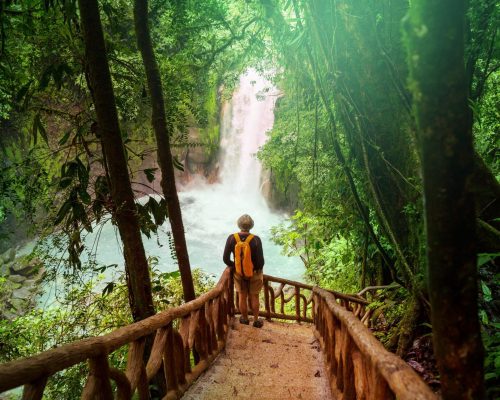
{"type": "Point", "coordinates": [136, 266]}
{"type": "Point", "coordinates": [160, 127]}
{"type": "Point", "coordinates": [435, 34]}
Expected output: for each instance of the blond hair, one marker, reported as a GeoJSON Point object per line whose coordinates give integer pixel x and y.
{"type": "Point", "coordinates": [245, 222]}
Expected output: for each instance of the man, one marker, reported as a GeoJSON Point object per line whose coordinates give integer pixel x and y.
{"type": "Point", "coordinates": [246, 286]}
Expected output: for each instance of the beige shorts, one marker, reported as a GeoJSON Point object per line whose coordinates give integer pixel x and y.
{"type": "Point", "coordinates": [253, 286]}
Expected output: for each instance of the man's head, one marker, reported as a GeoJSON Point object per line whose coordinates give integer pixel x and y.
{"type": "Point", "coordinates": [245, 222]}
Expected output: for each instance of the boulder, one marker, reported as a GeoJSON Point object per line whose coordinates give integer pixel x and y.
{"type": "Point", "coordinates": [20, 305]}
{"type": "Point", "coordinates": [7, 314]}
{"type": "Point", "coordinates": [10, 286]}
{"type": "Point", "coordinates": [26, 268]}
{"type": "Point", "coordinates": [4, 269]}
{"type": "Point", "coordinates": [22, 293]}
{"type": "Point", "coordinates": [17, 278]}
{"type": "Point", "coordinates": [8, 256]}
{"type": "Point", "coordinates": [30, 283]}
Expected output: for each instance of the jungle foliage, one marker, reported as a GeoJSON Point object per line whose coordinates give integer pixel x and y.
{"type": "Point", "coordinates": [346, 147]}
{"type": "Point", "coordinates": [344, 153]}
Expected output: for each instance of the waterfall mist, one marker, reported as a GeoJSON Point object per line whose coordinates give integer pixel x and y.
{"type": "Point", "coordinates": [210, 211]}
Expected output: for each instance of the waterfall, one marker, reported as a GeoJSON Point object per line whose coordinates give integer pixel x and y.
{"type": "Point", "coordinates": [246, 119]}
{"type": "Point", "coordinates": [210, 211]}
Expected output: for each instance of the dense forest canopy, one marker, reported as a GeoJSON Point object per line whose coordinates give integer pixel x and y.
{"type": "Point", "coordinates": [354, 156]}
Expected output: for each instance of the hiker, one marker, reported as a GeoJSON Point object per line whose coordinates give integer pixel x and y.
{"type": "Point", "coordinates": [247, 264]}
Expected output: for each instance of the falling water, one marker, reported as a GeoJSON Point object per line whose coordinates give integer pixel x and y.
{"type": "Point", "coordinates": [210, 211]}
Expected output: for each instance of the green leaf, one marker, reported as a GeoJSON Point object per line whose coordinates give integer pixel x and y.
{"type": "Point", "coordinates": [105, 267]}
{"type": "Point", "coordinates": [484, 317]}
{"type": "Point", "coordinates": [84, 196]}
{"type": "Point", "coordinates": [45, 79]}
{"type": "Point", "coordinates": [490, 375]}
{"type": "Point", "coordinates": [486, 291]}
{"type": "Point", "coordinates": [108, 288]}
{"type": "Point", "coordinates": [173, 274]}
{"type": "Point", "coordinates": [178, 164]}
{"type": "Point", "coordinates": [150, 174]}
{"type": "Point", "coordinates": [65, 182]}
{"type": "Point", "coordinates": [83, 173]}
{"type": "Point", "coordinates": [22, 92]}
{"type": "Point", "coordinates": [38, 128]}
{"type": "Point", "coordinates": [63, 211]}
{"type": "Point", "coordinates": [297, 41]}
{"type": "Point", "coordinates": [483, 258]}
{"type": "Point", "coordinates": [65, 138]}
{"type": "Point", "coordinates": [158, 210]}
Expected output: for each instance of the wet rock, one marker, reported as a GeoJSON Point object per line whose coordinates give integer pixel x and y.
{"type": "Point", "coordinates": [31, 283]}
{"type": "Point", "coordinates": [20, 286]}
{"type": "Point", "coordinates": [8, 256]}
{"type": "Point", "coordinates": [7, 314]}
{"type": "Point", "coordinates": [17, 278]}
{"type": "Point", "coordinates": [18, 304]}
{"type": "Point", "coordinates": [22, 269]}
{"type": "Point", "coordinates": [10, 286]}
{"type": "Point", "coordinates": [22, 293]}
{"type": "Point", "coordinates": [4, 269]}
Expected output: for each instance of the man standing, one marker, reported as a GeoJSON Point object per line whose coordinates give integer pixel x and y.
{"type": "Point", "coordinates": [247, 264]}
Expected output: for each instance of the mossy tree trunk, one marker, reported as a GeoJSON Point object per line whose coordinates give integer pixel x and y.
{"type": "Point", "coordinates": [161, 129]}
{"type": "Point", "coordinates": [125, 213]}
{"type": "Point", "coordinates": [435, 34]}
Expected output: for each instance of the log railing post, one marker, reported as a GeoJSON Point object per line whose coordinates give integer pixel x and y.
{"type": "Point", "coordinates": [136, 371]}
{"type": "Point", "coordinates": [180, 362]}
{"type": "Point", "coordinates": [98, 386]}
{"type": "Point", "coordinates": [358, 365]}
{"type": "Point", "coordinates": [297, 303]}
{"type": "Point", "coordinates": [282, 301]}
{"type": "Point", "coordinates": [273, 299]}
{"type": "Point", "coordinates": [34, 390]}
{"type": "Point", "coordinates": [266, 299]}
{"type": "Point", "coordinates": [169, 360]}
{"type": "Point", "coordinates": [349, 391]}
{"type": "Point", "coordinates": [123, 389]}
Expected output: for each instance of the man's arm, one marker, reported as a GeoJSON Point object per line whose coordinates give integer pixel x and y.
{"type": "Point", "coordinates": [259, 255]}
{"type": "Point", "coordinates": [227, 253]}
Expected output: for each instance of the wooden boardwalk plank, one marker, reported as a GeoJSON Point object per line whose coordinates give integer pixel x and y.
{"type": "Point", "coordinates": [279, 361]}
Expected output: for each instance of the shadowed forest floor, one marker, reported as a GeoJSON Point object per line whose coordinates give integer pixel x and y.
{"type": "Point", "coordinates": [279, 361]}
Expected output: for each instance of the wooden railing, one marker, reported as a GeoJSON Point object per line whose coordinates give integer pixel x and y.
{"type": "Point", "coordinates": [189, 337]}
{"type": "Point", "coordinates": [358, 365]}
{"type": "Point", "coordinates": [194, 331]}
{"type": "Point", "coordinates": [279, 292]}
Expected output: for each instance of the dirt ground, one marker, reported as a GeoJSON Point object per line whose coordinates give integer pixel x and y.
{"type": "Point", "coordinates": [278, 361]}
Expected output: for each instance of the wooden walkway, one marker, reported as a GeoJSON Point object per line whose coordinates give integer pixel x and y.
{"type": "Point", "coordinates": [279, 361]}
{"type": "Point", "coordinates": [233, 361]}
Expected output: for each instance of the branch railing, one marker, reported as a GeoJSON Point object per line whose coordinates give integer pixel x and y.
{"type": "Point", "coordinates": [189, 337]}
{"type": "Point", "coordinates": [290, 300]}
{"type": "Point", "coordinates": [193, 331]}
{"type": "Point", "coordinates": [358, 366]}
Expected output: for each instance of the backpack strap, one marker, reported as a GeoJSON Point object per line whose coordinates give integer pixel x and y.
{"type": "Point", "coordinates": [238, 239]}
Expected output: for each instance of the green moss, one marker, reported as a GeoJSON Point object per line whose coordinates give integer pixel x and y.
{"type": "Point", "coordinates": [210, 134]}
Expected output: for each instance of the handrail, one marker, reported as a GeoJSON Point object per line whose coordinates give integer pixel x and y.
{"type": "Point", "coordinates": [343, 296]}
{"type": "Point", "coordinates": [393, 285]}
{"type": "Point", "coordinates": [359, 366]}
{"type": "Point", "coordinates": [302, 310]}
{"type": "Point", "coordinates": [202, 332]}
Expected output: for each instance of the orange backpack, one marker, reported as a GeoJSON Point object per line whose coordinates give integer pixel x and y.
{"type": "Point", "coordinates": [243, 256]}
